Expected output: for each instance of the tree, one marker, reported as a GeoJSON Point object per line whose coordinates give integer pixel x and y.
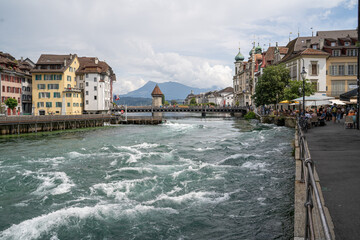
{"type": "Point", "coordinates": [173, 102]}
{"type": "Point", "coordinates": [270, 86]}
{"type": "Point", "coordinates": [292, 90]}
{"type": "Point", "coordinates": [163, 99]}
{"type": "Point", "coordinates": [193, 101]}
{"type": "Point", "coordinates": [11, 103]}
{"type": "Point", "coordinates": [166, 103]}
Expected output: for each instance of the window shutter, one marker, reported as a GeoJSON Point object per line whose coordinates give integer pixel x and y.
{"type": "Point", "coordinates": [39, 95]}
{"type": "Point", "coordinates": [310, 70]}
{"type": "Point", "coordinates": [318, 69]}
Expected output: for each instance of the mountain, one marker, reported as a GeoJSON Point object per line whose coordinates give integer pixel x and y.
{"type": "Point", "coordinates": [171, 90]}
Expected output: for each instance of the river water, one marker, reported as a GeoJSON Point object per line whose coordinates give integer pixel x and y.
{"type": "Point", "coordinates": [192, 178]}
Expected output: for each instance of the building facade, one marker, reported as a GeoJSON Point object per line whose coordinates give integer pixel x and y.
{"type": "Point", "coordinates": [10, 84]}
{"type": "Point", "coordinates": [26, 85]}
{"type": "Point", "coordinates": [55, 90]}
{"type": "Point", "coordinates": [95, 78]}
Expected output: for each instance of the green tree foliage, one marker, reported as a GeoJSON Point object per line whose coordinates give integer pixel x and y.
{"type": "Point", "coordinates": [166, 103]}
{"type": "Point", "coordinates": [270, 86]}
{"type": "Point", "coordinates": [250, 115]}
{"type": "Point", "coordinates": [173, 102]}
{"type": "Point", "coordinates": [11, 103]}
{"type": "Point", "coordinates": [163, 99]}
{"type": "Point", "coordinates": [193, 101]}
{"type": "Point", "coordinates": [292, 90]}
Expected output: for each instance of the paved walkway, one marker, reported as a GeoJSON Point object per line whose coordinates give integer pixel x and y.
{"type": "Point", "coordinates": [336, 153]}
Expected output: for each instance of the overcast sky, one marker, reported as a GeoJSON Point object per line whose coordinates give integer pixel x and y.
{"type": "Point", "coordinates": [193, 42]}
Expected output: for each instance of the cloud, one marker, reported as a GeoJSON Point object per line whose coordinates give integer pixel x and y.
{"type": "Point", "coordinates": [191, 42]}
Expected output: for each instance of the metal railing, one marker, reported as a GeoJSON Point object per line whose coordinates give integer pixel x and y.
{"type": "Point", "coordinates": [312, 192]}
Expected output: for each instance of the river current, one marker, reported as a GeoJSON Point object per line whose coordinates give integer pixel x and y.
{"type": "Point", "coordinates": [192, 178]}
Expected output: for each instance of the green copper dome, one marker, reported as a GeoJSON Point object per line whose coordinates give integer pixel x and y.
{"type": "Point", "coordinates": [258, 50]}
{"type": "Point", "coordinates": [239, 57]}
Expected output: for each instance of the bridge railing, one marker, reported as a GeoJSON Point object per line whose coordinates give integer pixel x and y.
{"type": "Point", "coordinates": [313, 199]}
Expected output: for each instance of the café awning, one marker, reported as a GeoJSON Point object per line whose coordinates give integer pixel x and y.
{"type": "Point", "coordinates": [346, 96]}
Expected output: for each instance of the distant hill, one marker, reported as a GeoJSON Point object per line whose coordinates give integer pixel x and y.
{"type": "Point", "coordinates": [171, 90]}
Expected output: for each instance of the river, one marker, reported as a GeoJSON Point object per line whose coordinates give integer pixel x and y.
{"type": "Point", "coordinates": [190, 178]}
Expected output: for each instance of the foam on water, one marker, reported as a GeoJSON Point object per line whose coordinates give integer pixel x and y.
{"type": "Point", "coordinates": [203, 149]}
{"type": "Point", "coordinates": [49, 185]}
{"type": "Point", "coordinates": [44, 224]}
{"type": "Point", "coordinates": [256, 165]}
{"type": "Point", "coordinates": [201, 197]}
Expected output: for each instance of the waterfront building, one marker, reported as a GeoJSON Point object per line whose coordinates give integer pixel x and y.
{"type": "Point", "coordinates": [244, 80]}
{"type": "Point", "coordinates": [10, 84]}
{"type": "Point", "coordinates": [95, 78]}
{"type": "Point", "coordinates": [55, 90]}
{"type": "Point", "coordinates": [26, 85]}
{"type": "Point", "coordinates": [305, 52]}
{"type": "Point", "coordinates": [341, 64]}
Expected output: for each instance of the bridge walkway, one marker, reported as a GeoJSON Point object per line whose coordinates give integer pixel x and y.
{"type": "Point", "coordinates": [336, 154]}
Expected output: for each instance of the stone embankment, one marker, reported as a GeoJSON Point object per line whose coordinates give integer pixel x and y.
{"type": "Point", "coordinates": [279, 120]}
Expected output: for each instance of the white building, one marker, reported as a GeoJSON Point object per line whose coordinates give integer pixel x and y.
{"type": "Point", "coordinates": [303, 52]}
{"type": "Point", "coordinates": [95, 78]}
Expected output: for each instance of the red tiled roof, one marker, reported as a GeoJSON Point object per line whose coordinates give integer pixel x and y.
{"type": "Point", "coordinates": [156, 91]}
{"type": "Point", "coordinates": [310, 51]}
{"type": "Point", "coordinates": [89, 65]}
{"type": "Point", "coordinates": [283, 50]}
{"type": "Point", "coordinates": [53, 59]}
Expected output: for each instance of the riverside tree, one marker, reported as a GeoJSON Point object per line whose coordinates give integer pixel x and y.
{"type": "Point", "coordinates": [11, 103]}
{"type": "Point", "coordinates": [271, 85]}
{"type": "Point", "coordinates": [292, 90]}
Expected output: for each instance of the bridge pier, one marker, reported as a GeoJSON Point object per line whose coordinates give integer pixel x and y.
{"type": "Point", "coordinates": [203, 114]}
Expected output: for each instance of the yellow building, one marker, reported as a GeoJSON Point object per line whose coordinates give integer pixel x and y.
{"type": "Point", "coordinates": [55, 90]}
{"type": "Point", "coordinates": [341, 65]}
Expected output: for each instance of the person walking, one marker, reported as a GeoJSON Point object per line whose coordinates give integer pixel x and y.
{"type": "Point", "coordinates": [334, 112]}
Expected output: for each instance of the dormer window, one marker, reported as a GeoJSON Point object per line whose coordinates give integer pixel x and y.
{"type": "Point", "coordinates": [314, 46]}
{"type": "Point", "coordinates": [333, 44]}
{"type": "Point", "coordinates": [336, 53]}
{"type": "Point", "coordinates": [347, 44]}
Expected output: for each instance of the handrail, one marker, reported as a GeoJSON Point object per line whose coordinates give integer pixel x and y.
{"type": "Point", "coordinates": [312, 191]}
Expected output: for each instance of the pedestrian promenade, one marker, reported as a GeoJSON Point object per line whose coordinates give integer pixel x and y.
{"type": "Point", "coordinates": [336, 154]}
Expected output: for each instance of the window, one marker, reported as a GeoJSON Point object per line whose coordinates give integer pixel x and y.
{"type": "Point", "coordinates": [347, 43]}
{"type": "Point", "coordinates": [53, 86]}
{"type": "Point", "coordinates": [70, 69]}
{"type": "Point", "coordinates": [351, 52]}
{"type": "Point", "coordinates": [333, 44]}
{"type": "Point", "coordinates": [69, 78]}
{"type": "Point", "coordinates": [40, 104]}
{"type": "Point", "coordinates": [350, 70]}
{"type": "Point", "coordinates": [81, 77]}
{"type": "Point", "coordinates": [314, 46]}
{"type": "Point", "coordinates": [68, 94]}
{"type": "Point", "coordinates": [48, 77]}
{"type": "Point", "coordinates": [41, 86]}
{"type": "Point", "coordinates": [95, 79]}
{"type": "Point", "coordinates": [81, 104]}
{"type": "Point", "coordinates": [74, 104]}
{"type": "Point", "coordinates": [95, 97]}
{"type": "Point", "coordinates": [87, 102]}
{"type": "Point", "coordinates": [333, 70]}
{"type": "Point", "coordinates": [336, 53]}
{"type": "Point", "coordinates": [56, 95]}
{"type": "Point", "coordinates": [57, 77]}
{"type": "Point", "coordinates": [37, 77]}
{"type": "Point", "coordinates": [87, 75]}
{"type": "Point", "coordinates": [44, 95]}
{"type": "Point", "coordinates": [87, 84]}
{"type": "Point", "coordinates": [341, 70]}
{"type": "Point", "coordinates": [68, 104]}
{"type": "Point", "coordinates": [351, 85]}
{"type": "Point", "coordinates": [95, 88]}
{"type": "Point", "coordinates": [3, 88]}
{"type": "Point", "coordinates": [314, 68]}
{"type": "Point", "coordinates": [86, 93]}
{"type": "Point", "coordinates": [48, 104]}
{"type": "Point", "coordinates": [337, 87]}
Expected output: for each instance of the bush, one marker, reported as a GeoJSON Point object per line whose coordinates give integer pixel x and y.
{"type": "Point", "coordinates": [250, 115]}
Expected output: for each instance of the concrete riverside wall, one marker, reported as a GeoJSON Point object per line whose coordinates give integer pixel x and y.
{"type": "Point", "coordinates": [300, 199]}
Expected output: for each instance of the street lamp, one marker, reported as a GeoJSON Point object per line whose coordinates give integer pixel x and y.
{"type": "Point", "coordinates": [303, 75]}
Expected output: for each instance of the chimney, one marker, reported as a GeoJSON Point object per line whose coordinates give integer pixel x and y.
{"type": "Point", "coordinates": [64, 62]}
{"type": "Point", "coordinates": [308, 43]}
{"type": "Point", "coordinates": [96, 61]}
{"type": "Point", "coordinates": [70, 56]}
{"type": "Point", "coordinates": [321, 45]}
{"type": "Point", "coordinates": [22, 59]}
